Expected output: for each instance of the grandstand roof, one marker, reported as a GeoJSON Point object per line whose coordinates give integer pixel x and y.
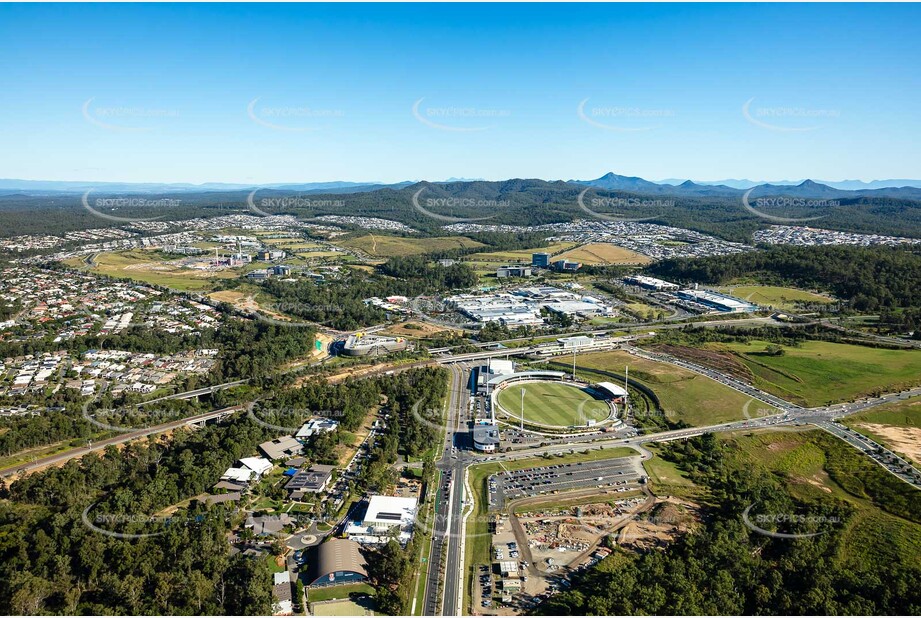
{"type": "Point", "coordinates": [526, 374]}
{"type": "Point", "coordinates": [613, 389]}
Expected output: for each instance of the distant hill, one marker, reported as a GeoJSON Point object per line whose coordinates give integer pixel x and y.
{"type": "Point", "coordinates": [847, 185]}
{"type": "Point", "coordinates": [807, 189]}
{"type": "Point", "coordinates": [713, 209]}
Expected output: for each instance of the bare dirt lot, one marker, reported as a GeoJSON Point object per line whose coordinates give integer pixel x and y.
{"type": "Point", "coordinates": [416, 330]}
{"type": "Point", "coordinates": [905, 440]}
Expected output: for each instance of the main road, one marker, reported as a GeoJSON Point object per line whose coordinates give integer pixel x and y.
{"type": "Point", "coordinates": [449, 503]}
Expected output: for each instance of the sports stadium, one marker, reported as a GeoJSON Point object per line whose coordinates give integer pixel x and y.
{"type": "Point", "coordinates": [548, 401]}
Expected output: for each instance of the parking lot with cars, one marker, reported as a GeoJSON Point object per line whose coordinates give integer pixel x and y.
{"type": "Point", "coordinates": [506, 486]}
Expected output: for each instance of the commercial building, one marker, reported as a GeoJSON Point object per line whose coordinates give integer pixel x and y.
{"type": "Point", "coordinates": [337, 561]}
{"type": "Point", "coordinates": [316, 426]}
{"type": "Point", "coordinates": [271, 254]}
{"type": "Point", "coordinates": [612, 390]}
{"type": "Point", "coordinates": [486, 437]}
{"type": "Point", "coordinates": [386, 517]}
{"type": "Point", "coordinates": [361, 344]}
{"type": "Point", "coordinates": [651, 283]}
{"type": "Point", "coordinates": [566, 266]}
{"type": "Point", "coordinates": [515, 270]}
{"type": "Point", "coordinates": [578, 308]}
{"type": "Point", "coordinates": [576, 342]}
{"type": "Point", "coordinates": [717, 301]}
{"type": "Point", "coordinates": [314, 479]}
{"type": "Point", "coordinates": [239, 475]}
{"type": "Point", "coordinates": [508, 568]}
{"type": "Point", "coordinates": [540, 260]}
{"type": "Point", "coordinates": [281, 448]}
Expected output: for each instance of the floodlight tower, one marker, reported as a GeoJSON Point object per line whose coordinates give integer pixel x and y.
{"type": "Point", "coordinates": [522, 408]}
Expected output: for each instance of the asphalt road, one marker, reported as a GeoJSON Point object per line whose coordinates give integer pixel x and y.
{"type": "Point", "coordinates": [125, 437]}
{"type": "Point", "coordinates": [449, 505]}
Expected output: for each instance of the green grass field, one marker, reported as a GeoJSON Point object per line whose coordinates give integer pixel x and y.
{"type": "Point", "coordinates": [553, 403]}
{"type": "Point", "coordinates": [343, 607]}
{"type": "Point", "coordinates": [665, 479]}
{"type": "Point", "coordinates": [775, 297]}
{"type": "Point", "coordinates": [818, 372]}
{"type": "Point", "coordinates": [900, 414]}
{"type": "Point", "coordinates": [684, 395]}
{"type": "Point", "coordinates": [338, 592]}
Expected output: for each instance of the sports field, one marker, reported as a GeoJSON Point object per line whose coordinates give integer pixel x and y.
{"type": "Point", "coordinates": [553, 403]}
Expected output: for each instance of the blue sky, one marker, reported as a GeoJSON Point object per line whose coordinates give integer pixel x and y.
{"type": "Point", "coordinates": [300, 93]}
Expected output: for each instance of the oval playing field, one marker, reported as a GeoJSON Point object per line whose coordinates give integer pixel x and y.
{"type": "Point", "coordinates": [553, 404]}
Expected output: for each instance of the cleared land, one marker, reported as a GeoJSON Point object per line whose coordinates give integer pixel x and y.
{"type": "Point", "coordinates": [416, 330]}
{"type": "Point", "coordinates": [478, 538]}
{"type": "Point", "coordinates": [553, 403]}
{"type": "Point", "coordinates": [395, 246]}
{"type": "Point", "coordinates": [153, 267]}
{"type": "Point", "coordinates": [684, 395]}
{"type": "Point", "coordinates": [897, 426]}
{"type": "Point", "coordinates": [604, 253]}
{"type": "Point", "coordinates": [775, 297]}
{"type": "Point", "coordinates": [520, 255]}
{"type": "Point", "coordinates": [817, 373]}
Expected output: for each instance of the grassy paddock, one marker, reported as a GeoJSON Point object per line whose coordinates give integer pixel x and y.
{"type": "Point", "coordinates": [817, 373]}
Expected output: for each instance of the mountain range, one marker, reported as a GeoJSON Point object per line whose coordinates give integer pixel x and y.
{"type": "Point", "coordinates": [807, 189]}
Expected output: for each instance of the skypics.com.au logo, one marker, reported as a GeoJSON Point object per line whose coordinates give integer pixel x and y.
{"type": "Point", "coordinates": [285, 203]}
{"type": "Point", "coordinates": [455, 202]}
{"type": "Point", "coordinates": [622, 119]}
{"type": "Point", "coordinates": [787, 119]}
{"type": "Point", "coordinates": [113, 203]}
{"type": "Point", "coordinates": [457, 119]}
{"type": "Point", "coordinates": [762, 203]}
{"type": "Point", "coordinates": [125, 119]}
{"type": "Point", "coordinates": [292, 119]}
{"type": "Point", "coordinates": [615, 202]}
{"type": "Point", "coordinates": [788, 525]}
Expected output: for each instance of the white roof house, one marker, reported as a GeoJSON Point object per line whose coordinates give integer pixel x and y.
{"type": "Point", "coordinates": [385, 516]}
{"type": "Point", "coordinates": [259, 465]}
